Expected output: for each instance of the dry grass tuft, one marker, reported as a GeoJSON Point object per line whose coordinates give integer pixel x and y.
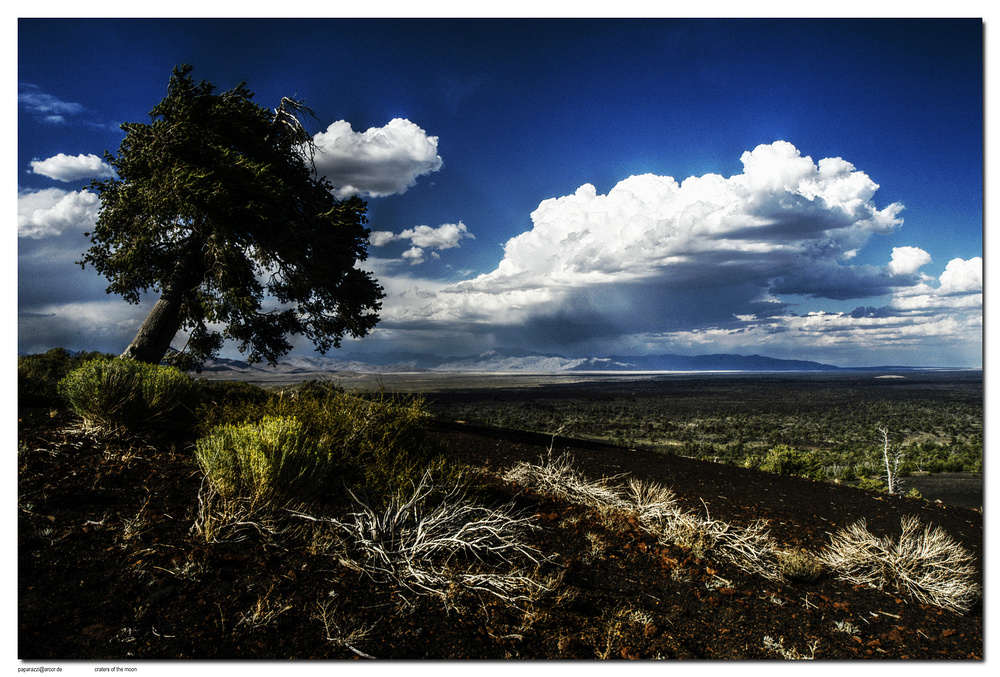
{"type": "Point", "coordinates": [558, 476]}
{"type": "Point", "coordinates": [656, 509]}
{"type": "Point", "coordinates": [232, 520]}
{"type": "Point", "coordinates": [799, 565]}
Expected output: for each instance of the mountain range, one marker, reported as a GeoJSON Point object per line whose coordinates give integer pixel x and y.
{"type": "Point", "coordinates": [512, 360]}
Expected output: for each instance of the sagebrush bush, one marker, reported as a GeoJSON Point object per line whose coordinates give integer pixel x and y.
{"type": "Point", "coordinates": [388, 435]}
{"type": "Point", "coordinates": [872, 484]}
{"type": "Point", "coordinates": [275, 459]}
{"type": "Point", "coordinates": [129, 398]}
{"type": "Point", "coordinates": [217, 393]}
{"type": "Point", "coordinates": [316, 389]}
{"type": "Point", "coordinates": [380, 441]}
{"type": "Point", "coordinates": [38, 375]}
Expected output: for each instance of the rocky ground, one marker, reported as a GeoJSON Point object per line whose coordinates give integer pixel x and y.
{"type": "Point", "coordinates": [109, 567]}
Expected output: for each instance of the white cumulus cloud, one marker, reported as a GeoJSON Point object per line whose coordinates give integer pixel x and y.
{"type": "Point", "coordinates": [962, 277]}
{"type": "Point", "coordinates": [51, 211]}
{"type": "Point", "coordinates": [710, 262]}
{"type": "Point", "coordinates": [73, 167]}
{"type": "Point", "coordinates": [380, 238]}
{"type": "Point", "coordinates": [908, 260]}
{"type": "Point", "coordinates": [414, 255]}
{"type": "Point", "coordinates": [378, 162]}
{"type": "Point", "coordinates": [784, 217]}
{"type": "Point", "coordinates": [445, 236]}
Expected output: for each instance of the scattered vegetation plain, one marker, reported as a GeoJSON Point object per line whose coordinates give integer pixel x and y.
{"type": "Point", "coordinates": [823, 426]}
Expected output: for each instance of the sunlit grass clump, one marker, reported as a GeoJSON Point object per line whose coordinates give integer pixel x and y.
{"type": "Point", "coordinates": [378, 442]}
{"type": "Point", "coordinates": [274, 459]}
{"type": "Point", "coordinates": [130, 399]}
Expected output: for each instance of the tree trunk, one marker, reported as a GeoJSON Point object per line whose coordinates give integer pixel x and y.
{"type": "Point", "coordinates": [164, 320]}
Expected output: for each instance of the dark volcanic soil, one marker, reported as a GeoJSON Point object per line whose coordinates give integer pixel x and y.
{"type": "Point", "coordinates": [109, 568]}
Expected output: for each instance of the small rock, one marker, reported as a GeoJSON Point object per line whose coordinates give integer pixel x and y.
{"type": "Point", "coordinates": [567, 644]}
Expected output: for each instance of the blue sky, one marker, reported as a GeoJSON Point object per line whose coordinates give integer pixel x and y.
{"type": "Point", "coordinates": [806, 189]}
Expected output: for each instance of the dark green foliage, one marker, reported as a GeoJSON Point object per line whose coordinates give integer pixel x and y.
{"type": "Point", "coordinates": [833, 419]}
{"type": "Point", "coordinates": [317, 389]}
{"type": "Point", "coordinates": [389, 434]}
{"type": "Point", "coordinates": [216, 206]}
{"type": "Point", "coordinates": [873, 484]}
{"type": "Point", "coordinates": [232, 391]}
{"type": "Point", "coordinates": [125, 398]}
{"type": "Point", "coordinates": [38, 375]}
{"type": "Point", "coordinates": [221, 400]}
{"type": "Point", "coordinates": [784, 460]}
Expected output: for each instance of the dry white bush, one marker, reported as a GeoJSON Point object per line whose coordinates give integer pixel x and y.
{"type": "Point", "coordinates": [558, 477]}
{"type": "Point", "coordinates": [443, 547]}
{"type": "Point", "coordinates": [791, 654]}
{"type": "Point", "coordinates": [263, 614]}
{"type": "Point", "coordinates": [926, 563]}
{"type": "Point", "coordinates": [751, 548]}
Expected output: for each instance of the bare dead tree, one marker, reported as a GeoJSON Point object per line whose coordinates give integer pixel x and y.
{"type": "Point", "coordinates": [893, 456]}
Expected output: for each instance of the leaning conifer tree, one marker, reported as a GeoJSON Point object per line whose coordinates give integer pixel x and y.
{"type": "Point", "coordinates": [217, 207]}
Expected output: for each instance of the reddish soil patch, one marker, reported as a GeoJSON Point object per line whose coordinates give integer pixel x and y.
{"type": "Point", "coordinates": [109, 568]}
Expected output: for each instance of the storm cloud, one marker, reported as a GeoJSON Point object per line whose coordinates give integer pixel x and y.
{"type": "Point", "coordinates": [656, 260]}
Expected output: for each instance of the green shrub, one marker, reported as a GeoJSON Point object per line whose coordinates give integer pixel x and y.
{"type": "Point", "coordinates": [130, 399]}
{"type": "Point", "coordinates": [229, 402]}
{"type": "Point", "coordinates": [317, 389]}
{"type": "Point", "coordinates": [873, 484]}
{"type": "Point", "coordinates": [231, 391]}
{"type": "Point", "coordinates": [378, 441]}
{"type": "Point", "coordinates": [275, 459]}
{"type": "Point", "coordinates": [38, 375]}
{"type": "Point", "coordinates": [784, 460]}
{"type": "Point", "coordinates": [390, 435]}
{"type": "Point", "coordinates": [385, 437]}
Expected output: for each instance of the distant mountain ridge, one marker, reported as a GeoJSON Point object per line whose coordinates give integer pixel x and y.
{"type": "Point", "coordinates": [514, 360]}
{"type": "Point", "coordinates": [303, 364]}
{"type": "Point", "coordinates": [721, 362]}
{"type": "Point", "coordinates": [519, 360]}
